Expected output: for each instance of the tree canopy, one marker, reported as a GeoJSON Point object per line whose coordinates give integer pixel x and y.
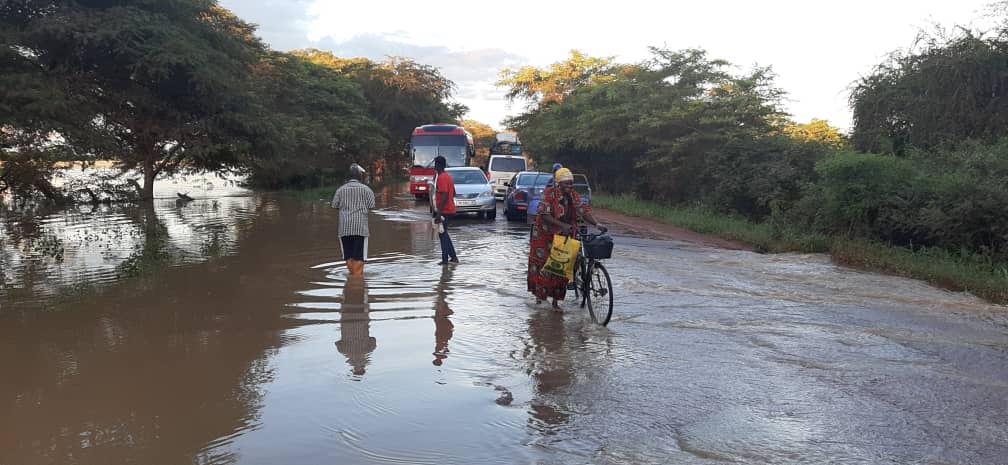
{"type": "Point", "coordinates": [652, 128]}
{"type": "Point", "coordinates": [154, 85]}
{"type": "Point", "coordinates": [948, 88]}
{"type": "Point", "coordinates": [185, 84]}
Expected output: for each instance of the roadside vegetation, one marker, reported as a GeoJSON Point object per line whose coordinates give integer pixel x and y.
{"type": "Point", "coordinates": [963, 271]}
{"type": "Point", "coordinates": [918, 187]}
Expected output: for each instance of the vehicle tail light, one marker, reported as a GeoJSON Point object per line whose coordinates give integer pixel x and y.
{"type": "Point", "coordinates": [520, 196]}
{"type": "Point", "coordinates": [488, 175]}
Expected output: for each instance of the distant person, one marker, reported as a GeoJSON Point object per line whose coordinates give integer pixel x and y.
{"type": "Point", "coordinates": [354, 199]}
{"type": "Point", "coordinates": [559, 212]}
{"type": "Point", "coordinates": [444, 204]}
{"type": "Point", "coordinates": [556, 167]}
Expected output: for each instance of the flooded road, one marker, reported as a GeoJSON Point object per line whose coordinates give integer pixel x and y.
{"type": "Point", "coordinates": [225, 330]}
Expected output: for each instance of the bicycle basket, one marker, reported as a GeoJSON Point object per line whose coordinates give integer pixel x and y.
{"type": "Point", "coordinates": [599, 247]}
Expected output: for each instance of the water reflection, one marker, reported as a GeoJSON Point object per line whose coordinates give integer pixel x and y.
{"type": "Point", "coordinates": [46, 253]}
{"type": "Point", "coordinates": [551, 369]}
{"type": "Point", "coordinates": [164, 369]}
{"type": "Point", "coordinates": [443, 327]}
{"type": "Point", "coordinates": [356, 341]}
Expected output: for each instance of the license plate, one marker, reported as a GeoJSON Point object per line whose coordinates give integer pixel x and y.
{"type": "Point", "coordinates": [465, 203]}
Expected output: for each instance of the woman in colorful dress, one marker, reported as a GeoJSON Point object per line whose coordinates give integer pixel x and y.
{"type": "Point", "coordinates": [559, 212]}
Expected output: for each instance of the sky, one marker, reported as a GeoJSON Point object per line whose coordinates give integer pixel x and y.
{"type": "Point", "coordinates": [817, 49]}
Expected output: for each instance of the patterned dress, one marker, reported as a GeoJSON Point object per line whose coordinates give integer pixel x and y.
{"type": "Point", "coordinates": [567, 209]}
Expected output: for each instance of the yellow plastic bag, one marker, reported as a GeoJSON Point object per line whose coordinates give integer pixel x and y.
{"type": "Point", "coordinates": [562, 257]}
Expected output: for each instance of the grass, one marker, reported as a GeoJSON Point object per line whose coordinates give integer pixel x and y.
{"type": "Point", "coordinates": [955, 271]}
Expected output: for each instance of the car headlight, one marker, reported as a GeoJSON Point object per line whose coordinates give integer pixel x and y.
{"type": "Point", "coordinates": [485, 194]}
{"type": "Point", "coordinates": [420, 178]}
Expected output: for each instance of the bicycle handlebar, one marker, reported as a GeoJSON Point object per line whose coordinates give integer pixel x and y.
{"type": "Point", "coordinates": [584, 236]}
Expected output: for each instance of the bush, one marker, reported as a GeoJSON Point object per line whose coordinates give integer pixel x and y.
{"type": "Point", "coordinates": [757, 177]}
{"type": "Point", "coordinates": [955, 200]}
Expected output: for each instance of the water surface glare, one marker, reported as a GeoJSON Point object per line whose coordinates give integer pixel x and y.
{"type": "Point", "coordinates": [226, 331]}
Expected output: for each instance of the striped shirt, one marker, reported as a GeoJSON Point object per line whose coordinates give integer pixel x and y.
{"type": "Point", "coordinates": [353, 200]}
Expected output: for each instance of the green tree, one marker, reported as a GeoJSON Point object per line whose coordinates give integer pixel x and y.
{"type": "Point", "coordinates": [947, 89]}
{"type": "Point", "coordinates": [483, 137]}
{"type": "Point", "coordinates": [157, 86]}
{"type": "Point", "coordinates": [656, 128]}
{"type": "Point", "coordinates": [543, 87]}
{"type": "Point", "coordinates": [402, 94]}
{"type": "Point", "coordinates": [311, 123]}
{"type": "Point", "coordinates": [817, 131]}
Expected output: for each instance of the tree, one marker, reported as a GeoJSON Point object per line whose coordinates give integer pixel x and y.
{"type": "Point", "coordinates": [543, 87]}
{"type": "Point", "coordinates": [655, 128]}
{"type": "Point", "coordinates": [157, 86]}
{"type": "Point", "coordinates": [947, 89]}
{"type": "Point", "coordinates": [817, 131]}
{"type": "Point", "coordinates": [402, 94]}
{"type": "Point", "coordinates": [483, 137]}
{"type": "Point", "coordinates": [312, 123]}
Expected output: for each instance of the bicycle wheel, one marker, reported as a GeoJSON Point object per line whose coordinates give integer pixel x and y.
{"type": "Point", "coordinates": [579, 289]}
{"type": "Point", "coordinates": [599, 294]}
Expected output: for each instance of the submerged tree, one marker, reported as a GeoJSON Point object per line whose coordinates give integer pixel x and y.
{"type": "Point", "coordinates": [157, 86]}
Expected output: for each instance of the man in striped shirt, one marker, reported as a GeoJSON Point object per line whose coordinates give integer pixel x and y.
{"type": "Point", "coordinates": [353, 200]}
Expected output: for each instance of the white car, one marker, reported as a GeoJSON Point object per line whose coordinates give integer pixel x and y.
{"type": "Point", "coordinates": [473, 192]}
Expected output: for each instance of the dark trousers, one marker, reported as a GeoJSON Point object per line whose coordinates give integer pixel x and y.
{"type": "Point", "coordinates": [447, 248]}
{"type": "Point", "coordinates": [353, 247]}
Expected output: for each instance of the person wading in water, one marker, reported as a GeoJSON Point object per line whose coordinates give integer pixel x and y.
{"type": "Point", "coordinates": [354, 199]}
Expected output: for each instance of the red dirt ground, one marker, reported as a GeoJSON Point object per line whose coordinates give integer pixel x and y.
{"type": "Point", "coordinates": [654, 229]}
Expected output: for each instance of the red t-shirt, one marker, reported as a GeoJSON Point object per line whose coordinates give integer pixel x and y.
{"type": "Point", "coordinates": [446, 187]}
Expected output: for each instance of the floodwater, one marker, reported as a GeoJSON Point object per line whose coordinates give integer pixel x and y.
{"type": "Point", "coordinates": [225, 330]}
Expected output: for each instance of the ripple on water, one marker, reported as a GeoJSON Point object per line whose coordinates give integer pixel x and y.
{"type": "Point", "coordinates": [746, 435]}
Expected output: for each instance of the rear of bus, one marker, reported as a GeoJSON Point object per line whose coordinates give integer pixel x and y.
{"type": "Point", "coordinates": [501, 169]}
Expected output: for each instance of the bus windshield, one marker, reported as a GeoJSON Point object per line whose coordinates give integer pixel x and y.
{"type": "Point", "coordinates": [506, 148]}
{"type": "Point", "coordinates": [453, 147]}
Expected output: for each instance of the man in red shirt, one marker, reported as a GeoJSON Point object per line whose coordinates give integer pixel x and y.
{"type": "Point", "coordinates": [444, 204]}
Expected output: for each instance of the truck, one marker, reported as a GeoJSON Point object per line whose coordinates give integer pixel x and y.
{"type": "Point", "coordinates": [506, 159]}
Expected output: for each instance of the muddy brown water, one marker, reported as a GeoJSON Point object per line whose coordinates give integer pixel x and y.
{"type": "Point", "coordinates": [225, 330]}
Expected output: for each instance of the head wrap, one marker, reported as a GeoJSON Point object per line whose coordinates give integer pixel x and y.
{"type": "Point", "coordinates": [556, 166]}
{"type": "Point", "coordinates": [357, 170]}
{"type": "Point", "coordinates": [564, 174]}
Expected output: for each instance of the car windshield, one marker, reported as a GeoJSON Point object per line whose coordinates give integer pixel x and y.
{"type": "Point", "coordinates": [425, 148]}
{"type": "Point", "coordinates": [468, 177]}
{"type": "Point", "coordinates": [508, 165]}
{"type": "Point", "coordinates": [539, 184]}
{"type": "Point", "coordinates": [526, 179]}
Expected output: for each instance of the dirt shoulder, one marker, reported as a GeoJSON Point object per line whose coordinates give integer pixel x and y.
{"type": "Point", "coordinates": [649, 228]}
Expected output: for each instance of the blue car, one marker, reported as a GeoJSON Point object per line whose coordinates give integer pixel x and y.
{"type": "Point", "coordinates": [580, 185]}
{"type": "Point", "coordinates": [519, 192]}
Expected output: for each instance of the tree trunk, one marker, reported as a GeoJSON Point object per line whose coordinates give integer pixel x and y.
{"type": "Point", "coordinates": [149, 174]}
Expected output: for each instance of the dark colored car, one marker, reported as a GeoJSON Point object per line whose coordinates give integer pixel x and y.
{"type": "Point", "coordinates": [580, 185]}
{"type": "Point", "coordinates": [519, 192]}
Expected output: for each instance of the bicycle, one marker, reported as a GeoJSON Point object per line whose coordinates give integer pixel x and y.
{"type": "Point", "coordinates": [591, 279]}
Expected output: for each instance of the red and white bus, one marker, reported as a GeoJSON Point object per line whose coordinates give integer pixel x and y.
{"type": "Point", "coordinates": [430, 140]}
